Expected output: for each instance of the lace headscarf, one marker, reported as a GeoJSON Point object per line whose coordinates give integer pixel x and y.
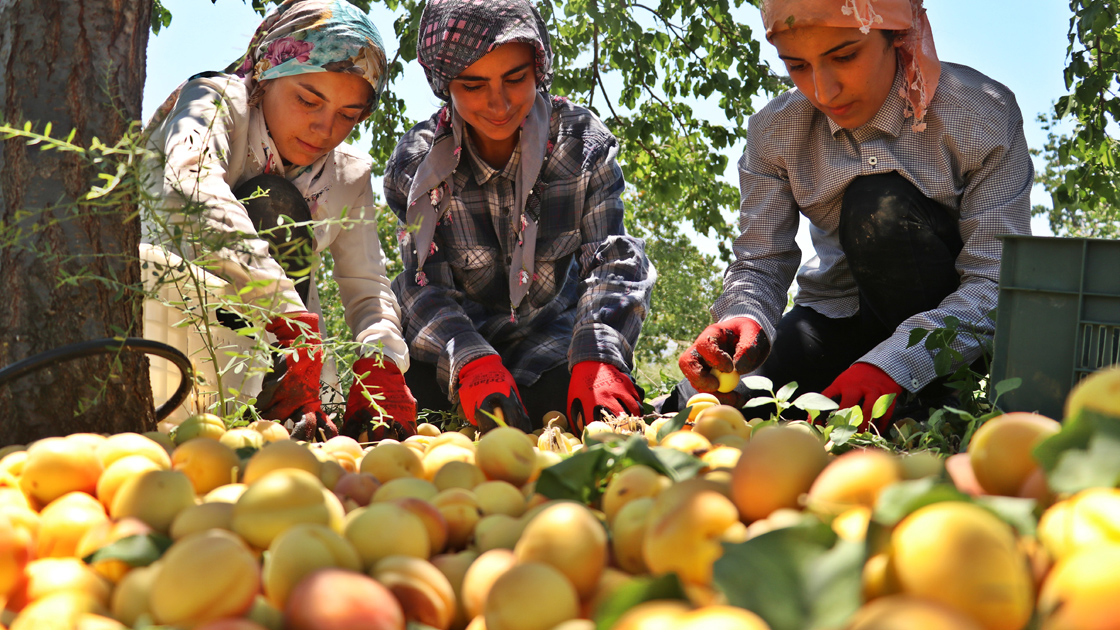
{"type": "Point", "coordinates": [916, 55]}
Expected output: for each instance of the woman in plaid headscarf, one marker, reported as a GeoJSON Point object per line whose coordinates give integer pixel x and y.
{"type": "Point", "coordinates": [522, 292]}
{"type": "Point", "coordinates": [908, 169]}
{"type": "Point", "coordinates": [276, 121]}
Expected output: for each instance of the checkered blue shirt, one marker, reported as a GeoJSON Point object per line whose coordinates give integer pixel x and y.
{"type": "Point", "coordinates": [592, 282]}
{"type": "Point", "coordinates": [972, 157]}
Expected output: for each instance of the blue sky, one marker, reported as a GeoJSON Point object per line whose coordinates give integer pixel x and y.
{"type": "Point", "coordinates": [1021, 44]}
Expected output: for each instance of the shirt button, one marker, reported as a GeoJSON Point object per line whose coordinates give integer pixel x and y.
{"type": "Point", "coordinates": [505, 210]}
{"type": "Point", "coordinates": [914, 383]}
{"type": "Point", "coordinates": [872, 160]}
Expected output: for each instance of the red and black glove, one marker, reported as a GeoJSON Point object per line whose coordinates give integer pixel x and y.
{"type": "Point", "coordinates": [485, 384]}
{"type": "Point", "coordinates": [863, 384]}
{"type": "Point", "coordinates": [290, 392]}
{"type": "Point", "coordinates": [737, 344]}
{"type": "Point", "coordinates": [597, 388]}
{"type": "Point", "coordinates": [379, 382]}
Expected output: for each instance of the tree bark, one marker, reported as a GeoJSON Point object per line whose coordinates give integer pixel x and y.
{"type": "Point", "coordinates": [78, 64]}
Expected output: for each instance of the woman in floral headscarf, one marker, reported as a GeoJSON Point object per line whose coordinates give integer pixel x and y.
{"type": "Point", "coordinates": [275, 121]}
{"type": "Point", "coordinates": [907, 168]}
{"type": "Point", "coordinates": [521, 291]}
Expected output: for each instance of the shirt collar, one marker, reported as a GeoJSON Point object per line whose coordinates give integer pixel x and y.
{"type": "Point", "coordinates": [890, 116]}
{"type": "Point", "coordinates": [483, 172]}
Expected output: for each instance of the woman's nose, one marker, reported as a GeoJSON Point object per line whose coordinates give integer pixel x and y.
{"type": "Point", "coordinates": [825, 85]}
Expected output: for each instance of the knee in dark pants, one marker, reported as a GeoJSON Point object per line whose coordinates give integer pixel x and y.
{"type": "Point", "coordinates": [289, 246]}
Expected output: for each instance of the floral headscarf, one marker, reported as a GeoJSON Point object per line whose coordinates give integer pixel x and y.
{"type": "Point", "coordinates": [453, 35]}
{"type": "Point", "coordinates": [302, 36]}
{"type": "Point", "coordinates": [917, 54]}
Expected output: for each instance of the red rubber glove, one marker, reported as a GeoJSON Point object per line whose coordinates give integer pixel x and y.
{"type": "Point", "coordinates": [290, 393]}
{"type": "Point", "coordinates": [379, 382]}
{"type": "Point", "coordinates": [737, 344]}
{"type": "Point", "coordinates": [486, 384]}
{"type": "Point", "coordinates": [863, 384]}
{"type": "Point", "coordinates": [598, 388]}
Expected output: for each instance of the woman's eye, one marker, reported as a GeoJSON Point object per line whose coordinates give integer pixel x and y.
{"type": "Point", "coordinates": [349, 117]}
{"type": "Point", "coordinates": [303, 101]}
{"type": "Point", "coordinates": [795, 67]}
{"type": "Point", "coordinates": [471, 88]}
{"type": "Point", "coordinates": [845, 58]}
{"type": "Point", "coordinates": [517, 79]}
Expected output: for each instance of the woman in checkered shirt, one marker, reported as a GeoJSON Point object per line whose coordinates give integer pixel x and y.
{"type": "Point", "coordinates": [908, 170]}
{"type": "Point", "coordinates": [522, 292]}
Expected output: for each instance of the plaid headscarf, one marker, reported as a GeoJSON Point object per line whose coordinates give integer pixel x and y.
{"type": "Point", "coordinates": [456, 33]}
{"type": "Point", "coordinates": [916, 55]}
{"type": "Point", "coordinates": [302, 36]}
{"type": "Point", "coordinates": [453, 35]}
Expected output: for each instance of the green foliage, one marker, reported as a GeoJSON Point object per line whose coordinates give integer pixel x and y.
{"type": "Point", "coordinates": [1082, 173]}
{"type": "Point", "coordinates": [1084, 454]}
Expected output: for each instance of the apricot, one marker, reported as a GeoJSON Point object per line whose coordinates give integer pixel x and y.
{"type": "Point", "coordinates": [1087, 519]}
{"type": "Point", "coordinates": [499, 497]}
{"type": "Point", "coordinates": [64, 609]}
{"type": "Point", "coordinates": [64, 522]}
{"type": "Point", "coordinates": [271, 431]}
{"type": "Point", "coordinates": [119, 472]}
{"type": "Point", "coordinates": [427, 428]}
{"type": "Point", "coordinates": [460, 508]}
{"type": "Point", "coordinates": [854, 479]}
{"type": "Point", "coordinates": [454, 567]}
{"type": "Point", "coordinates": [336, 599]}
{"type": "Point", "coordinates": [299, 551]}
{"type": "Point", "coordinates": [685, 530]}
{"type": "Point", "coordinates": [457, 474]}
{"type": "Point", "coordinates": [962, 556]}
{"type": "Point", "coordinates": [903, 612]}
{"type": "Point", "coordinates": [728, 381]}
{"type": "Point", "coordinates": [434, 522]}
{"type": "Point", "coordinates": [242, 437]}
{"type": "Point", "coordinates": [55, 466]}
{"type": "Point", "coordinates": [16, 550]}
{"type": "Point", "coordinates": [720, 420]}
{"type": "Point", "coordinates": [440, 455]}
{"type": "Point", "coordinates": [280, 455]}
{"type": "Point", "coordinates": [506, 454]}
{"type": "Point", "coordinates": [207, 463]}
{"type": "Point", "coordinates": [388, 461]}
{"type": "Point", "coordinates": [570, 538]}
{"type": "Point", "coordinates": [47, 576]}
{"type": "Point", "coordinates": [204, 577]}
{"type": "Point", "coordinates": [386, 529]}
{"type": "Point", "coordinates": [402, 487]}
{"type": "Point", "coordinates": [480, 577]}
{"type": "Point", "coordinates": [775, 468]}
{"type": "Point", "coordinates": [357, 487]}
{"type": "Point", "coordinates": [232, 624]}
{"type": "Point", "coordinates": [514, 601]}
{"type": "Point", "coordinates": [722, 458]}
{"type": "Point", "coordinates": [228, 493]}
{"type": "Point", "coordinates": [653, 615]}
{"type": "Point", "coordinates": [155, 497]}
{"type": "Point", "coordinates": [202, 425]}
{"type": "Point", "coordinates": [201, 517]}
{"type": "Point", "coordinates": [125, 444]}
{"type": "Point", "coordinates": [699, 402]}
{"type": "Point", "coordinates": [720, 616]}
{"type": "Point", "coordinates": [1001, 450]}
{"type": "Point", "coordinates": [687, 442]}
{"type": "Point", "coordinates": [277, 501]}
{"type": "Point", "coordinates": [631, 483]}
{"type": "Point", "coordinates": [1080, 591]}
{"type": "Point", "coordinates": [919, 464]}
{"type": "Point", "coordinates": [1099, 392]}
{"type": "Point", "coordinates": [628, 530]}
{"type": "Point", "coordinates": [497, 531]}
{"type": "Point", "coordinates": [129, 601]}
{"type": "Point", "coordinates": [424, 593]}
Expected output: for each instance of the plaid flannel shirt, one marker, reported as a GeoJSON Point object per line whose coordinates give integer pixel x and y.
{"type": "Point", "coordinates": [591, 289]}
{"type": "Point", "coordinates": [972, 157]}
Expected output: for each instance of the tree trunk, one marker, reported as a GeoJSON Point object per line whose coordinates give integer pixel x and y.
{"type": "Point", "coordinates": [78, 64]}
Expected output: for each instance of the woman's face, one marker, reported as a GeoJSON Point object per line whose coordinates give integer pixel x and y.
{"type": "Point", "coordinates": [495, 93]}
{"type": "Point", "coordinates": [845, 74]}
{"type": "Point", "coordinates": [308, 115]}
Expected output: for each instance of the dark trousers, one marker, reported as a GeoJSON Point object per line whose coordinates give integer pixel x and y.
{"type": "Point", "coordinates": [549, 393]}
{"type": "Point", "coordinates": [902, 248]}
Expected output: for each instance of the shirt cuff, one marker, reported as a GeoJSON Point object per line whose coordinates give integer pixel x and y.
{"type": "Point", "coordinates": [461, 350]}
{"type": "Point", "coordinates": [910, 367]}
{"type": "Point", "coordinates": [600, 342]}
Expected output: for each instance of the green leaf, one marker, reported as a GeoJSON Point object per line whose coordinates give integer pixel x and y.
{"type": "Point", "coordinates": [758, 382]}
{"type": "Point", "coordinates": [812, 401]}
{"type": "Point", "coordinates": [1098, 466]}
{"type": "Point", "coordinates": [1007, 385]}
{"type": "Point", "coordinates": [786, 391]}
{"type": "Point", "coordinates": [634, 592]}
{"type": "Point", "coordinates": [136, 551]}
{"type": "Point", "coordinates": [916, 336]}
{"type": "Point", "coordinates": [1019, 513]}
{"type": "Point", "coordinates": [882, 404]}
{"type": "Point", "coordinates": [795, 578]}
{"type": "Point", "coordinates": [577, 477]}
{"type": "Point", "coordinates": [900, 499]}
{"type": "Point", "coordinates": [676, 423]}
